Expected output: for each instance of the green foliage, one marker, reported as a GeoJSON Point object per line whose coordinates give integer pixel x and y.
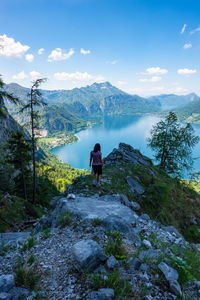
{"type": "Point", "coordinates": [189, 264]}
{"type": "Point", "coordinates": [45, 233]}
{"type": "Point", "coordinates": [28, 245]}
{"type": "Point", "coordinates": [96, 222]}
{"type": "Point", "coordinates": [192, 234]}
{"type": "Point", "coordinates": [182, 268]}
{"type": "Point", "coordinates": [115, 247]}
{"type": "Point", "coordinates": [65, 219]}
{"type": "Point", "coordinates": [26, 276]}
{"type": "Point", "coordinates": [121, 286]}
{"type": "Point", "coordinates": [31, 259]}
{"type": "Point", "coordinates": [173, 144]}
{"type": "Point", "coordinates": [19, 157]}
{"type": "Point", "coordinates": [189, 112]}
{"type": "Point", "coordinates": [5, 249]}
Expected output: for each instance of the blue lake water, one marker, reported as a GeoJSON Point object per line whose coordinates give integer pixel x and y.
{"type": "Point", "coordinates": [133, 130]}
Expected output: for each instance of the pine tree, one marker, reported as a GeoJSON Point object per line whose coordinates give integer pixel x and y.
{"type": "Point", "coordinates": [173, 144]}
{"type": "Point", "coordinates": [20, 158]}
{"type": "Point", "coordinates": [34, 101]}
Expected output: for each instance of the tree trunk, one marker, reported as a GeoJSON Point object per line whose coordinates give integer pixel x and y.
{"type": "Point", "coordinates": [24, 182]}
{"type": "Point", "coordinates": [33, 148]}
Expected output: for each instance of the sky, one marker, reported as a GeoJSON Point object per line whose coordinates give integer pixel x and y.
{"type": "Point", "coordinates": [144, 47]}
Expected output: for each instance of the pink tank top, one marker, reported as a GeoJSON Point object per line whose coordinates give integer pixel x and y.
{"type": "Point", "coordinates": [96, 158]}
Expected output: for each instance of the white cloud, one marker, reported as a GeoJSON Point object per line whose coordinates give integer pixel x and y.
{"type": "Point", "coordinates": [155, 71]}
{"type": "Point", "coordinates": [152, 79]}
{"type": "Point", "coordinates": [112, 62]}
{"type": "Point", "coordinates": [183, 28]}
{"type": "Point", "coordinates": [58, 54]}
{"type": "Point", "coordinates": [29, 57]}
{"type": "Point", "coordinates": [186, 71]}
{"type": "Point", "coordinates": [195, 30]}
{"type": "Point", "coordinates": [84, 52]}
{"type": "Point", "coordinates": [10, 48]}
{"type": "Point", "coordinates": [187, 46]}
{"type": "Point", "coordinates": [20, 76]}
{"type": "Point", "coordinates": [122, 82]}
{"type": "Point", "coordinates": [40, 51]}
{"type": "Point", "coordinates": [35, 75]}
{"type": "Point", "coordinates": [77, 76]}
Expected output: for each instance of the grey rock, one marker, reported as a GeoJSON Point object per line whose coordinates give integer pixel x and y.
{"type": "Point", "coordinates": [54, 201]}
{"type": "Point", "coordinates": [7, 282]}
{"type": "Point", "coordinates": [172, 230]}
{"type": "Point", "coordinates": [18, 293]}
{"type": "Point", "coordinates": [175, 288]}
{"type": "Point", "coordinates": [135, 187]}
{"type": "Point", "coordinates": [135, 206]}
{"type": "Point", "coordinates": [112, 263]}
{"type": "Point", "coordinates": [127, 154]}
{"type": "Point", "coordinates": [5, 296]}
{"type": "Point", "coordinates": [145, 268]}
{"type": "Point", "coordinates": [134, 264]}
{"type": "Point", "coordinates": [147, 244]}
{"type": "Point", "coordinates": [94, 207]}
{"type": "Point", "coordinates": [149, 254]}
{"type": "Point", "coordinates": [71, 196]}
{"type": "Point", "coordinates": [12, 238]}
{"type": "Point", "coordinates": [148, 297]}
{"type": "Point", "coordinates": [169, 273]}
{"type": "Point", "coordinates": [94, 296]}
{"type": "Point", "coordinates": [100, 270]}
{"type": "Point", "coordinates": [88, 254]}
{"type": "Point", "coordinates": [145, 217]}
{"type": "Point", "coordinates": [124, 200]}
{"type": "Point", "coordinates": [106, 294]}
{"type": "Point", "coordinates": [113, 223]}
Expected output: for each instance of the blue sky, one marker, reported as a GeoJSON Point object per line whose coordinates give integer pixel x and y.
{"type": "Point", "coordinates": [144, 47]}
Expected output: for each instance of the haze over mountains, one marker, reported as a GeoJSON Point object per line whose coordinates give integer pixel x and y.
{"type": "Point", "coordinates": [67, 109]}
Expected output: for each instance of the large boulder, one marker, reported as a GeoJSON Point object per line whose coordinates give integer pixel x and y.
{"type": "Point", "coordinates": [11, 238]}
{"type": "Point", "coordinates": [169, 273]}
{"type": "Point", "coordinates": [88, 255]}
{"type": "Point", "coordinates": [89, 208]}
{"type": "Point", "coordinates": [7, 282]}
{"type": "Point", "coordinates": [126, 153]}
{"type": "Point", "coordinates": [134, 186]}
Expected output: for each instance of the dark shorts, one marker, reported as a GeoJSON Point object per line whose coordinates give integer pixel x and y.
{"type": "Point", "coordinates": [97, 169]}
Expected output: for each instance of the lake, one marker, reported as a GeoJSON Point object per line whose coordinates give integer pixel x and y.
{"type": "Point", "coordinates": [133, 130]}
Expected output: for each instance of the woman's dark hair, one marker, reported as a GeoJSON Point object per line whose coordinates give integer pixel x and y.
{"type": "Point", "coordinates": [97, 147]}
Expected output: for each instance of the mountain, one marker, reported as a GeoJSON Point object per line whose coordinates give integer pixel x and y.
{"type": "Point", "coordinates": [85, 95]}
{"type": "Point", "coordinates": [190, 112]}
{"type": "Point", "coordinates": [93, 101]}
{"type": "Point", "coordinates": [57, 119]}
{"type": "Point", "coordinates": [170, 101]}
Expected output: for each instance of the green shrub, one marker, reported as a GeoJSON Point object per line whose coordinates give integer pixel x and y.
{"type": "Point", "coordinates": [182, 268]}
{"type": "Point", "coordinates": [25, 276]}
{"type": "Point", "coordinates": [115, 246]}
{"type": "Point", "coordinates": [28, 245]}
{"type": "Point", "coordinates": [65, 219]}
{"type": "Point", "coordinates": [121, 286]}
{"type": "Point", "coordinates": [192, 234]}
{"type": "Point", "coordinates": [96, 222]}
{"type": "Point", "coordinates": [45, 233]}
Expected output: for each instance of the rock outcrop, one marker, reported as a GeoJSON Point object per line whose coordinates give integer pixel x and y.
{"type": "Point", "coordinates": [126, 153]}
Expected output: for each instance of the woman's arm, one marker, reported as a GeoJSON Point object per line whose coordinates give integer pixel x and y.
{"type": "Point", "coordinates": [101, 160]}
{"type": "Point", "coordinates": [90, 159]}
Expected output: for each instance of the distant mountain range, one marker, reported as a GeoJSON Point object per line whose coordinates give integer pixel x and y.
{"type": "Point", "coordinates": [170, 101]}
{"type": "Point", "coordinates": [67, 109]}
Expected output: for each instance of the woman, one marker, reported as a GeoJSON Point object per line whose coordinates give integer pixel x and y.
{"type": "Point", "coordinates": [97, 164]}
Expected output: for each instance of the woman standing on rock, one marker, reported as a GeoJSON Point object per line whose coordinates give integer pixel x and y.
{"type": "Point", "coordinates": [97, 164]}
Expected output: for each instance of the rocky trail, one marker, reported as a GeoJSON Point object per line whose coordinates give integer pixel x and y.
{"type": "Point", "coordinates": [94, 246]}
